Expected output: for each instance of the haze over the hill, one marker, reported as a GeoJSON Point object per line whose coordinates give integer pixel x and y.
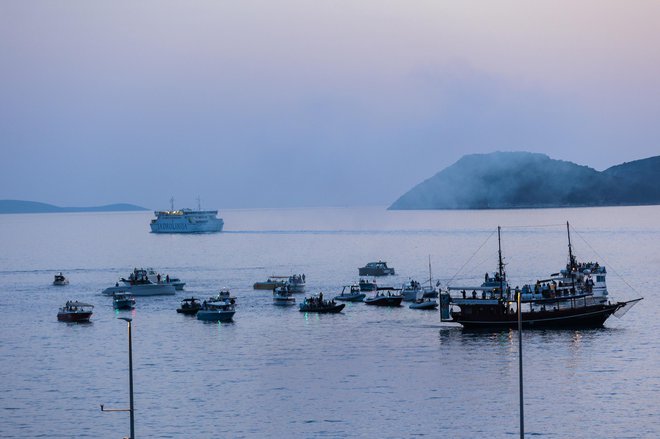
{"type": "Point", "coordinates": [22, 206]}
{"type": "Point", "coordinates": [504, 180]}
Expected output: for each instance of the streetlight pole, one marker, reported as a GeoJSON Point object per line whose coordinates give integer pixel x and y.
{"type": "Point", "coordinates": [131, 410]}
{"type": "Point", "coordinates": [130, 375]}
{"type": "Point", "coordinates": [520, 366]}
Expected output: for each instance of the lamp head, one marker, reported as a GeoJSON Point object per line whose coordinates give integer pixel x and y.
{"type": "Point", "coordinates": [128, 319]}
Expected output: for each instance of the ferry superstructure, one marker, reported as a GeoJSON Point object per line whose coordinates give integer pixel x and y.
{"type": "Point", "coordinates": [186, 221]}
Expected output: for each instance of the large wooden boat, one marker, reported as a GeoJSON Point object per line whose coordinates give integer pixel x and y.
{"type": "Point", "coordinates": [569, 299]}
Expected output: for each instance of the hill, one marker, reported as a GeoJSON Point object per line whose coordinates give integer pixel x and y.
{"type": "Point", "coordinates": [504, 180]}
{"type": "Point", "coordinates": [21, 206]}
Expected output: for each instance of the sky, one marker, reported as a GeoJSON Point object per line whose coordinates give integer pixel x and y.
{"type": "Point", "coordinates": [249, 104]}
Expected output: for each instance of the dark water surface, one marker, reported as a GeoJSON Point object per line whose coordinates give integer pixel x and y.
{"type": "Point", "coordinates": [368, 372]}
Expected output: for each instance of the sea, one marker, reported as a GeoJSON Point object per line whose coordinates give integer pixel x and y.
{"type": "Point", "coordinates": [368, 372]}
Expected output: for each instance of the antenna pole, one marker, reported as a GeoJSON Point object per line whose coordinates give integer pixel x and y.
{"type": "Point", "coordinates": [520, 367]}
{"type": "Point", "coordinates": [570, 249]}
{"type": "Point", "coordinates": [430, 274]}
{"type": "Point", "coordinates": [500, 264]}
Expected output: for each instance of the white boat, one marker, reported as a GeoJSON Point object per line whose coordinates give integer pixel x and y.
{"type": "Point", "coordinates": [141, 290]}
{"type": "Point", "coordinates": [282, 296]}
{"type": "Point", "coordinates": [296, 283]}
{"type": "Point", "coordinates": [186, 221]}
{"type": "Point", "coordinates": [60, 280]}
{"type": "Point", "coordinates": [165, 279]}
{"type": "Point", "coordinates": [411, 289]}
{"type": "Point", "coordinates": [139, 284]}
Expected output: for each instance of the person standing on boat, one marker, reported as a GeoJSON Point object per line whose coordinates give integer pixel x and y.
{"type": "Point", "coordinates": [158, 278]}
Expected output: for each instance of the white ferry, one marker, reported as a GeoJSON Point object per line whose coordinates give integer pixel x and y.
{"type": "Point", "coordinates": [186, 221]}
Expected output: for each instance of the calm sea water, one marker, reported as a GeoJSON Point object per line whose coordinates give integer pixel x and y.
{"type": "Point", "coordinates": [386, 373]}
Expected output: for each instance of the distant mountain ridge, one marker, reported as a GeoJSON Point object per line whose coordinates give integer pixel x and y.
{"type": "Point", "coordinates": [507, 180]}
{"type": "Point", "coordinates": [22, 206]}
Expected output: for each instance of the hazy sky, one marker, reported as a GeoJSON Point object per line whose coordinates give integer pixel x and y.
{"type": "Point", "coordinates": [311, 103]}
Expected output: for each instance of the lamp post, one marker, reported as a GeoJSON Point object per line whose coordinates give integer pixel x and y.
{"type": "Point", "coordinates": [520, 366]}
{"type": "Point", "coordinates": [130, 380]}
{"type": "Point", "coordinates": [130, 374]}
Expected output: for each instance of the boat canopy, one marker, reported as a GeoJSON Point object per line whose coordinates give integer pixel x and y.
{"type": "Point", "coordinates": [80, 304]}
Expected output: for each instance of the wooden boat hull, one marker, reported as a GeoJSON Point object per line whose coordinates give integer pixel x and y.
{"type": "Point", "coordinates": [384, 301]}
{"type": "Point", "coordinates": [323, 309]}
{"type": "Point", "coordinates": [593, 316]}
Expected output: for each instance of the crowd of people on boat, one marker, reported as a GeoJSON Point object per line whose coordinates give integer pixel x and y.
{"type": "Point", "coordinates": [317, 301]}
{"type": "Point", "coordinates": [297, 278]}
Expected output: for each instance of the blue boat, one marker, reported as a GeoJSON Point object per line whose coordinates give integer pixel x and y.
{"type": "Point", "coordinates": [216, 311]}
{"type": "Point", "coordinates": [353, 295]}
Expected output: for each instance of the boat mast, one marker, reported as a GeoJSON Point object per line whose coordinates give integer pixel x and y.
{"type": "Point", "coordinates": [571, 258]}
{"type": "Point", "coordinates": [500, 264]}
{"type": "Point", "coordinates": [430, 275]}
{"type": "Point", "coordinates": [171, 204]}
{"type": "Point", "coordinates": [572, 264]}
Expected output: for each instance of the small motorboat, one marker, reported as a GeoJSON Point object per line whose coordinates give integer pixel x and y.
{"type": "Point", "coordinates": [74, 311]}
{"type": "Point", "coordinates": [60, 280]}
{"type": "Point", "coordinates": [272, 283]}
{"type": "Point", "coordinates": [123, 301]}
{"type": "Point", "coordinates": [424, 304]}
{"type": "Point", "coordinates": [189, 306]}
{"type": "Point", "coordinates": [216, 311]}
{"type": "Point", "coordinates": [379, 268]}
{"type": "Point", "coordinates": [365, 285]}
{"type": "Point", "coordinates": [296, 283]}
{"type": "Point", "coordinates": [353, 295]}
{"type": "Point", "coordinates": [282, 296]}
{"type": "Point", "coordinates": [384, 299]}
{"type": "Point", "coordinates": [318, 305]}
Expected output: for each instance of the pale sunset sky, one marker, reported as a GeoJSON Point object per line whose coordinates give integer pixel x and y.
{"type": "Point", "coordinates": [311, 103]}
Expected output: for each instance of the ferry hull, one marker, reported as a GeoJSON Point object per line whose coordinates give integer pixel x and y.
{"type": "Point", "coordinates": [165, 226]}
